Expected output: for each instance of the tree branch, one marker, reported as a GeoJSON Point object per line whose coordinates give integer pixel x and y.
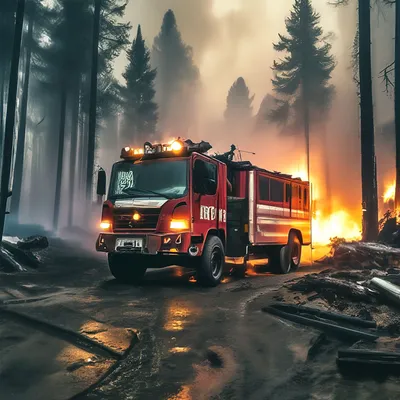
{"type": "Point", "coordinates": [385, 75]}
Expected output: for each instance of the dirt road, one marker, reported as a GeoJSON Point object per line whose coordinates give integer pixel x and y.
{"type": "Point", "coordinates": [71, 331]}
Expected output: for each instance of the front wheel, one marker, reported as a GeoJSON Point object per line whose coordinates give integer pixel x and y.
{"type": "Point", "coordinates": [212, 262]}
{"type": "Point", "coordinates": [126, 268]}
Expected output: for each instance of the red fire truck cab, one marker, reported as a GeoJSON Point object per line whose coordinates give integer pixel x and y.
{"type": "Point", "coordinates": [175, 205]}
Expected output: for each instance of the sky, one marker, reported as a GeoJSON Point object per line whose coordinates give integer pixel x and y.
{"type": "Point", "coordinates": [230, 38]}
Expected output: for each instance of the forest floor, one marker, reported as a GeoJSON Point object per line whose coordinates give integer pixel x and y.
{"type": "Point", "coordinates": [68, 330]}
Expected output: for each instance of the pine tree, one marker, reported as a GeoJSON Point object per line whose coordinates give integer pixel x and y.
{"type": "Point", "coordinates": [177, 78]}
{"type": "Point", "coordinates": [140, 110]}
{"type": "Point", "coordinates": [266, 106]}
{"type": "Point", "coordinates": [7, 12]}
{"type": "Point", "coordinates": [301, 78]}
{"type": "Point", "coordinates": [239, 102]}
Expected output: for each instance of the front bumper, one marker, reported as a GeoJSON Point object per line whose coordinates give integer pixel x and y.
{"type": "Point", "coordinates": [153, 244]}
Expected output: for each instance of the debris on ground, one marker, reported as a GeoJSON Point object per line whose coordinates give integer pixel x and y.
{"type": "Point", "coordinates": [388, 290]}
{"type": "Point", "coordinates": [18, 253]}
{"type": "Point", "coordinates": [368, 362]}
{"type": "Point", "coordinates": [33, 243]}
{"type": "Point", "coordinates": [357, 299]}
{"type": "Point", "coordinates": [362, 255]}
{"type": "Point", "coordinates": [330, 288]}
{"type": "Point", "coordinates": [326, 322]}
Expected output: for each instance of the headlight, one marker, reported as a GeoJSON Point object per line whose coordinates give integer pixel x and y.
{"type": "Point", "coordinates": [105, 225]}
{"type": "Point", "coordinates": [179, 224]}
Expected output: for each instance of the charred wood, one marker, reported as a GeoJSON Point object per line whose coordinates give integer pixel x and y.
{"type": "Point", "coordinates": [324, 314]}
{"type": "Point", "coordinates": [329, 328]}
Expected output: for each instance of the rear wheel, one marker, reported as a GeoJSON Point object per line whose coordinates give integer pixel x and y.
{"type": "Point", "coordinates": [212, 262]}
{"type": "Point", "coordinates": [126, 268]}
{"type": "Point", "coordinates": [287, 258]}
{"type": "Point", "coordinates": [295, 251]}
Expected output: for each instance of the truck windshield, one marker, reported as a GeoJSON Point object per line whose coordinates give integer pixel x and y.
{"type": "Point", "coordinates": [154, 178]}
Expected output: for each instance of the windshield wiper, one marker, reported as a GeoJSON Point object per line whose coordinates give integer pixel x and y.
{"type": "Point", "coordinates": [132, 190]}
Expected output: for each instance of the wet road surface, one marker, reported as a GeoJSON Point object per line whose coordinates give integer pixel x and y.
{"type": "Point", "coordinates": [71, 331]}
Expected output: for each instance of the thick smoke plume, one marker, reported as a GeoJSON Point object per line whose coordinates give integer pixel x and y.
{"type": "Point", "coordinates": [233, 38]}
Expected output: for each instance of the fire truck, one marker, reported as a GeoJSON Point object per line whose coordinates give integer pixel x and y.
{"type": "Point", "coordinates": [174, 204]}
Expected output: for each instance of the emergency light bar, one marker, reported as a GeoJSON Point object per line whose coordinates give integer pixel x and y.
{"type": "Point", "coordinates": [174, 148]}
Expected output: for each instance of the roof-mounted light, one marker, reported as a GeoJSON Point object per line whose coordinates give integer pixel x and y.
{"type": "Point", "coordinates": [176, 146]}
{"type": "Point", "coordinates": [130, 153]}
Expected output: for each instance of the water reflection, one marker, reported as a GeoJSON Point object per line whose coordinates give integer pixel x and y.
{"type": "Point", "coordinates": [176, 350]}
{"type": "Point", "coordinates": [178, 315]}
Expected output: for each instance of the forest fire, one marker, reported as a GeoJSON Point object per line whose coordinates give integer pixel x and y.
{"type": "Point", "coordinates": [325, 226]}
{"type": "Point", "coordinates": [338, 224]}
{"type": "Point", "coordinates": [389, 193]}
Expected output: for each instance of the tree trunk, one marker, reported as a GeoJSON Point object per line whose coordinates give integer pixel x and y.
{"type": "Point", "coordinates": [74, 149]}
{"type": "Point", "coordinates": [397, 102]}
{"type": "Point", "coordinates": [93, 103]}
{"type": "Point", "coordinates": [60, 159]}
{"type": "Point", "coordinates": [82, 153]}
{"type": "Point", "coordinates": [20, 150]}
{"type": "Point", "coordinates": [325, 152]}
{"type": "Point", "coordinates": [368, 168]}
{"type": "Point", "coordinates": [306, 117]}
{"type": "Point", "coordinates": [10, 118]}
{"type": "Point", "coordinates": [2, 89]}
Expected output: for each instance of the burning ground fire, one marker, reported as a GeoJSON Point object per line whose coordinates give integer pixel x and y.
{"type": "Point", "coordinates": [338, 224]}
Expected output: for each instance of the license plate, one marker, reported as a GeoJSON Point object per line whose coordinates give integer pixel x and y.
{"type": "Point", "coordinates": [128, 243]}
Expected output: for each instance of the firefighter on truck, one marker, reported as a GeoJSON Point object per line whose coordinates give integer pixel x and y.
{"type": "Point", "coordinates": [173, 204]}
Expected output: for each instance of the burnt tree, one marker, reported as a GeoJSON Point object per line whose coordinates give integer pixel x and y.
{"type": "Point", "coordinates": [368, 162]}
{"type": "Point", "coordinates": [10, 117]}
{"type": "Point", "coordinates": [397, 102]}
{"type": "Point", "coordinates": [93, 103]}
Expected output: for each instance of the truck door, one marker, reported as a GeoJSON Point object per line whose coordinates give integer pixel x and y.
{"type": "Point", "coordinates": [205, 185]}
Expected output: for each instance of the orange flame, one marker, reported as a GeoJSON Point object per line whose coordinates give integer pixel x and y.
{"type": "Point", "coordinates": [339, 223]}
{"type": "Point", "coordinates": [389, 193]}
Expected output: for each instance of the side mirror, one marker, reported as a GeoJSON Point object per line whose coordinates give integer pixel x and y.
{"type": "Point", "coordinates": [101, 182]}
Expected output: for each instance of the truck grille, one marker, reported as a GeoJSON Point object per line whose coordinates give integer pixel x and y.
{"type": "Point", "coordinates": [148, 219]}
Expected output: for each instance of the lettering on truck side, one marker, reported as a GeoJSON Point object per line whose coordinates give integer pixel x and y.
{"type": "Point", "coordinates": [209, 213]}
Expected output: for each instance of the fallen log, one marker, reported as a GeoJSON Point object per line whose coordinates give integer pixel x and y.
{"type": "Point", "coordinates": [345, 289]}
{"type": "Point", "coordinates": [325, 314]}
{"type": "Point", "coordinates": [23, 257]}
{"type": "Point", "coordinates": [33, 243]}
{"type": "Point", "coordinates": [332, 329]}
{"type": "Point", "coordinates": [366, 255]}
{"type": "Point", "coordinates": [367, 367]}
{"type": "Point", "coordinates": [369, 354]}
{"type": "Point", "coordinates": [387, 289]}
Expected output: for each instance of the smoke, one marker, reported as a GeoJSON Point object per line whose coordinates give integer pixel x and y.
{"type": "Point", "coordinates": [233, 38]}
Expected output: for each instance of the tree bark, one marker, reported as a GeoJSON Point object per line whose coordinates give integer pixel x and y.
{"type": "Point", "coordinates": [20, 150]}
{"type": "Point", "coordinates": [10, 118]}
{"type": "Point", "coordinates": [2, 89]}
{"type": "Point", "coordinates": [397, 103]}
{"type": "Point", "coordinates": [60, 159]}
{"type": "Point", "coordinates": [325, 152]}
{"type": "Point", "coordinates": [368, 167]}
{"type": "Point", "coordinates": [93, 104]}
{"type": "Point", "coordinates": [73, 157]}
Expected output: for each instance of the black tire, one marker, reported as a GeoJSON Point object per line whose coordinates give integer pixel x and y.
{"type": "Point", "coordinates": [295, 245]}
{"type": "Point", "coordinates": [126, 268]}
{"type": "Point", "coordinates": [212, 262]}
{"type": "Point", "coordinates": [290, 255]}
